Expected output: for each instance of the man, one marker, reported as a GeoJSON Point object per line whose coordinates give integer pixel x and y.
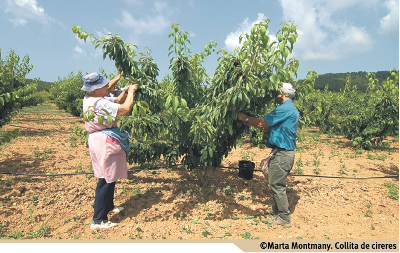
{"type": "Point", "coordinates": [281, 125]}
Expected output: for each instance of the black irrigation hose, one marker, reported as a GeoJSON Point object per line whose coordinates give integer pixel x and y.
{"type": "Point", "coordinates": [69, 174]}
{"type": "Point", "coordinates": [296, 175]}
{"type": "Point", "coordinates": [42, 130]}
{"type": "Point", "coordinates": [160, 167]}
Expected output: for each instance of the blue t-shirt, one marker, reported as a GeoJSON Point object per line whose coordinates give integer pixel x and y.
{"type": "Point", "coordinates": [282, 124]}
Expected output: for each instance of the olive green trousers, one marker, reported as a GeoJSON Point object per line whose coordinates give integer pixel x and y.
{"type": "Point", "coordinates": [279, 167]}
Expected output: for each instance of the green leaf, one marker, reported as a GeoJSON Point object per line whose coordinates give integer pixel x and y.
{"type": "Point", "coordinates": [100, 119]}
{"type": "Point", "coordinates": [105, 111]}
{"type": "Point", "coordinates": [175, 103]}
{"type": "Point", "coordinates": [224, 235]}
{"type": "Point", "coordinates": [183, 103]}
{"type": "Point", "coordinates": [109, 119]}
{"type": "Point", "coordinates": [8, 97]}
{"type": "Point", "coordinates": [168, 102]}
{"type": "Point", "coordinates": [90, 115]}
{"type": "Point", "coordinates": [225, 226]}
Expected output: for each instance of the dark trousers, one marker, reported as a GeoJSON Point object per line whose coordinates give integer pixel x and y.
{"type": "Point", "coordinates": [103, 201]}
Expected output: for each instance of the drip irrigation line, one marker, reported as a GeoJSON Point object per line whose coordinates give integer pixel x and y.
{"type": "Point", "coordinates": [161, 167]}
{"type": "Point", "coordinates": [297, 175]}
{"type": "Point", "coordinates": [73, 174]}
{"type": "Point", "coordinates": [42, 130]}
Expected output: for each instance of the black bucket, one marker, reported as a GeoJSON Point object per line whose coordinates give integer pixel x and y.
{"type": "Point", "coordinates": [246, 169]}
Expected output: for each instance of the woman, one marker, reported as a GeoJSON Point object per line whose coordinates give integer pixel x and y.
{"type": "Point", "coordinates": [107, 143]}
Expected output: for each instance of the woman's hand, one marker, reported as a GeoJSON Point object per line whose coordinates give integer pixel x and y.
{"type": "Point", "coordinates": [132, 87]}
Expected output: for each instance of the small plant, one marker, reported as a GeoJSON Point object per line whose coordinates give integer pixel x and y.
{"type": "Point", "coordinates": [316, 171]}
{"type": "Point", "coordinates": [343, 170]}
{"type": "Point", "coordinates": [247, 236]}
{"type": "Point", "coordinates": [368, 213]}
{"type": "Point", "coordinates": [240, 143]}
{"type": "Point", "coordinates": [205, 233]}
{"type": "Point", "coordinates": [186, 229]}
{"type": "Point", "coordinates": [247, 155]}
{"type": "Point", "coordinates": [228, 191]}
{"type": "Point", "coordinates": [269, 224]}
{"type": "Point", "coordinates": [136, 191]}
{"type": "Point", "coordinates": [382, 157]}
{"type": "Point", "coordinates": [9, 182]}
{"type": "Point", "coordinates": [393, 190]}
{"type": "Point", "coordinates": [224, 235]}
{"type": "Point", "coordinates": [35, 200]}
{"type": "Point", "coordinates": [299, 165]}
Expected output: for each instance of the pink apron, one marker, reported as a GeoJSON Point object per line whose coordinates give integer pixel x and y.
{"type": "Point", "coordinates": [107, 155]}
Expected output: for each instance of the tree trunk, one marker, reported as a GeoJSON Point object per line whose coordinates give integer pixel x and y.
{"type": "Point", "coordinates": [200, 176]}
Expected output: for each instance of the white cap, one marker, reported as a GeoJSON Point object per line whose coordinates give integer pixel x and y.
{"type": "Point", "coordinates": [287, 86]}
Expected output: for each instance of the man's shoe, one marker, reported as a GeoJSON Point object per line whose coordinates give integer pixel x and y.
{"type": "Point", "coordinates": [103, 224]}
{"type": "Point", "coordinates": [277, 220]}
{"type": "Point", "coordinates": [117, 209]}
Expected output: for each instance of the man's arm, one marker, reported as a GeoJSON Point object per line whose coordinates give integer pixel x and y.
{"type": "Point", "coordinates": [254, 122]}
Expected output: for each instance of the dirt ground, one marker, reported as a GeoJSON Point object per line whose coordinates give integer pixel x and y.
{"type": "Point", "coordinates": [169, 203]}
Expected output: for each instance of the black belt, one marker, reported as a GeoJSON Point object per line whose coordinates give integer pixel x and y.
{"type": "Point", "coordinates": [282, 149]}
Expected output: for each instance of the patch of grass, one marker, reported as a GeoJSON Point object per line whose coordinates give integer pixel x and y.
{"type": "Point", "coordinates": [43, 231]}
{"type": "Point", "coordinates": [393, 190]}
{"type": "Point", "coordinates": [14, 235]}
{"type": "Point", "coordinates": [247, 155]}
{"type": "Point", "coordinates": [3, 229]}
{"type": "Point", "coordinates": [241, 197]}
{"type": "Point", "coordinates": [269, 224]}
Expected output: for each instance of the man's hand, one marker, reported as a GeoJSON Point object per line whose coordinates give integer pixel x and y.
{"type": "Point", "coordinates": [242, 117]}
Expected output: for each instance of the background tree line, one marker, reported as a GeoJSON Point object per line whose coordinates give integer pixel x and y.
{"type": "Point", "coordinates": [337, 81]}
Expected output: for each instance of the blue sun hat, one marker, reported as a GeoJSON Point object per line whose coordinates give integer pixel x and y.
{"type": "Point", "coordinates": [94, 81]}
